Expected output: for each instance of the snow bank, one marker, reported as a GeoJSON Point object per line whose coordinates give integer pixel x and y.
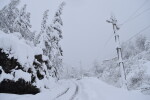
{"type": "Point", "coordinates": [47, 83]}
{"type": "Point", "coordinates": [15, 75]}
{"type": "Point", "coordinates": [94, 89]}
{"type": "Point", "coordinates": [17, 48]}
{"type": "Point", "coordinates": [3, 75]}
{"type": "Point", "coordinates": [84, 89]}
{"type": "Point", "coordinates": [24, 75]}
{"type": "Point", "coordinates": [22, 50]}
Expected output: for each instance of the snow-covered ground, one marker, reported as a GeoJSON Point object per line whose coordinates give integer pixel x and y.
{"type": "Point", "coordinates": [84, 89]}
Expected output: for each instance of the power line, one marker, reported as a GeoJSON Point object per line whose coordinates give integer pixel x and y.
{"type": "Point", "coordinates": [137, 15]}
{"type": "Point", "coordinates": [105, 44]}
{"type": "Point", "coordinates": [141, 13]}
{"type": "Point", "coordinates": [108, 40]}
{"type": "Point", "coordinates": [131, 18]}
{"type": "Point", "coordinates": [134, 13]}
{"type": "Point", "coordinates": [139, 32]}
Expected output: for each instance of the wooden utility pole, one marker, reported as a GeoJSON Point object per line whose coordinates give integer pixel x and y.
{"type": "Point", "coordinates": [113, 21]}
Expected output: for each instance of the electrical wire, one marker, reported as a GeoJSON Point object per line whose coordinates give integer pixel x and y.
{"type": "Point", "coordinates": [131, 16]}
{"type": "Point", "coordinates": [137, 15]}
{"type": "Point", "coordinates": [139, 32]}
{"type": "Point", "coordinates": [108, 40]}
{"type": "Point", "coordinates": [141, 13]}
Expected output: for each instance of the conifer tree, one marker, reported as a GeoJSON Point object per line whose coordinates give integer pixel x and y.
{"type": "Point", "coordinates": [43, 41]}
{"type": "Point", "coordinates": [43, 38]}
{"type": "Point", "coordinates": [8, 15]}
{"type": "Point", "coordinates": [56, 37]}
{"type": "Point", "coordinates": [22, 24]}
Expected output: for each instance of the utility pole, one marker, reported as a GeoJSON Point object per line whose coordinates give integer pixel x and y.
{"type": "Point", "coordinates": [113, 21]}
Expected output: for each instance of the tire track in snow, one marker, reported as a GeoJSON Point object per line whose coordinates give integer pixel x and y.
{"type": "Point", "coordinates": [76, 92]}
{"type": "Point", "coordinates": [59, 95]}
{"type": "Point", "coordinates": [74, 89]}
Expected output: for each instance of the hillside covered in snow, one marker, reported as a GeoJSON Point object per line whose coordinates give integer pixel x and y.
{"type": "Point", "coordinates": [136, 55]}
{"type": "Point", "coordinates": [32, 64]}
{"type": "Point", "coordinates": [29, 61]}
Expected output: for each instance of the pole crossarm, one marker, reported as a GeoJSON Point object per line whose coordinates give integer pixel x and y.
{"type": "Point", "coordinates": [113, 21]}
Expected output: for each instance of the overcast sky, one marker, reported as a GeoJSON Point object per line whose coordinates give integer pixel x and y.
{"type": "Point", "coordinates": [87, 36]}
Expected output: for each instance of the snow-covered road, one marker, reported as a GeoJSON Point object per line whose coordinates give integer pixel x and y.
{"type": "Point", "coordinates": [70, 93]}
{"type": "Point", "coordinates": [84, 89]}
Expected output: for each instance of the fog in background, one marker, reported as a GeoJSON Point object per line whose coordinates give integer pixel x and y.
{"type": "Point", "coordinates": [86, 34]}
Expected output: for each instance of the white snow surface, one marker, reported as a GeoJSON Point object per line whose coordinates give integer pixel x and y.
{"type": "Point", "coordinates": [24, 51]}
{"type": "Point", "coordinates": [83, 89]}
{"type": "Point", "coordinates": [24, 75]}
{"type": "Point", "coordinates": [5, 76]}
{"type": "Point", "coordinates": [15, 75]}
{"type": "Point", "coordinates": [147, 64]}
{"type": "Point", "coordinates": [17, 48]}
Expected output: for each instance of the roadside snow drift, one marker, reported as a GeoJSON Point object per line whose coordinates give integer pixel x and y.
{"type": "Point", "coordinates": [16, 48]}
{"type": "Point", "coordinates": [84, 89]}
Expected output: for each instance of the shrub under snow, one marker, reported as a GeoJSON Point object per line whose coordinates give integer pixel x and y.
{"type": "Point", "coordinates": [18, 64]}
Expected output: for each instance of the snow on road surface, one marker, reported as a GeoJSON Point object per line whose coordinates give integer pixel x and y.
{"type": "Point", "coordinates": [84, 89]}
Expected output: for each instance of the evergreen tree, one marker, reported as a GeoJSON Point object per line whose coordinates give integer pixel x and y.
{"type": "Point", "coordinates": [43, 28]}
{"type": "Point", "coordinates": [8, 15]}
{"type": "Point", "coordinates": [48, 39]}
{"type": "Point", "coordinates": [14, 20]}
{"type": "Point", "coordinates": [43, 40]}
{"type": "Point", "coordinates": [57, 22]}
{"type": "Point", "coordinates": [147, 45]}
{"type": "Point", "coordinates": [45, 64]}
{"type": "Point", "coordinates": [22, 24]}
{"type": "Point", "coordinates": [56, 37]}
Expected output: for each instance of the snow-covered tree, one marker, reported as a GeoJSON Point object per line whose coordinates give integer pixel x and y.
{"type": "Point", "coordinates": [56, 37]}
{"type": "Point", "coordinates": [14, 20]}
{"type": "Point", "coordinates": [8, 15]}
{"type": "Point", "coordinates": [128, 49]}
{"type": "Point", "coordinates": [133, 47]}
{"type": "Point", "coordinates": [43, 28]}
{"type": "Point", "coordinates": [140, 42]}
{"type": "Point", "coordinates": [147, 45]}
{"type": "Point", "coordinates": [22, 24]}
{"type": "Point", "coordinates": [43, 41]}
{"type": "Point", "coordinates": [57, 22]}
{"type": "Point", "coordinates": [48, 40]}
{"type": "Point", "coordinates": [44, 37]}
{"type": "Point", "coordinates": [40, 65]}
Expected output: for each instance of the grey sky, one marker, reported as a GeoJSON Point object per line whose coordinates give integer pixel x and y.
{"type": "Point", "coordinates": [85, 29]}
